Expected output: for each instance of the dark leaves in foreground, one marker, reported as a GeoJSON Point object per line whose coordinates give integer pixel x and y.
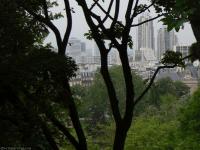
{"type": "Point", "coordinates": [172, 58]}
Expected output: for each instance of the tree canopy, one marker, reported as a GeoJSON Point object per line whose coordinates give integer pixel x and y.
{"type": "Point", "coordinates": [31, 80]}
{"type": "Point", "coordinates": [34, 80]}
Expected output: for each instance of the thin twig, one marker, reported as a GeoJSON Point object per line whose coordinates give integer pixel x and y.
{"type": "Point", "coordinates": [154, 76]}
{"type": "Point", "coordinates": [148, 20]}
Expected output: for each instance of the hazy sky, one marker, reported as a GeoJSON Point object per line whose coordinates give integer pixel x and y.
{"type": "Point", "coordinates": [80, 27]}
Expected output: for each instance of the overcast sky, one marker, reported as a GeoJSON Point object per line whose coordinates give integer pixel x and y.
{"type": "Point", "coordinates": [80, 27]}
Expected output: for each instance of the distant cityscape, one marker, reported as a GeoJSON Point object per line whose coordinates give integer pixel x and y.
{"type": "Point", "coordinates": [143, 59]}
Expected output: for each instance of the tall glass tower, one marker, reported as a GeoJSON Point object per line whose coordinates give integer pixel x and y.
{"type": "Point", "coordinates": [145, 33]}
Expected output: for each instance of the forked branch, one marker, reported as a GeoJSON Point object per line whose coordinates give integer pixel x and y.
{"type": "Point", "coordinates": [154, 76]}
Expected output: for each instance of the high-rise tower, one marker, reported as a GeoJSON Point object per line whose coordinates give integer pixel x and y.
{"type": "Point", "coordinates": [165, 41]}
{"type": "Point", "coordinates": [76, 47]}
{"type": "Point", "coordinates": [145, 34]}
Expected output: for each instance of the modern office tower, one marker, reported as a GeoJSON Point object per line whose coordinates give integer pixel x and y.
{"type": "Point", "coordinates": [145, 33]}
{"type": "Point", "coordinates": [95, 50]}
{"type": "Point", "coordinates": [147, 55]}
{"type": "Point", "coordinates": [76, 48]}
{"type": "Point", "coordinates": [183, 49]}
{"type": "Point", "coordinates": [165, 41]}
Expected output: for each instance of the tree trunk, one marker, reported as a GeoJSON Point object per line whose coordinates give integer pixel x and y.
{"type": "Point", "coordinates": [74, 117]}
{"type": "Point", "coordinates": [123, 126]}
{"type": "Point", "coordinates": [48, 136]}
{"type": "Point", "coordinates": [120, 138]}
{"type": "Point", "coordinates": [195, 24]}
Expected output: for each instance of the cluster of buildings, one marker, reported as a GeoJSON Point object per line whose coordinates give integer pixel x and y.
{"type": "Point", "coordinates": [144, 58]}
{"type": "Point", "coordinates": [146, 49]}
{"type": "Point", "coordinates": [88, 61]}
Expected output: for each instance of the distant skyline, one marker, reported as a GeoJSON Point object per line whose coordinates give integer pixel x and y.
{"type": "Point", "coordinates": [80, 27]}
{"type": "Point", "coordinates": [165, 41]}
{"type": "Point", "coordinates": [145, 34]}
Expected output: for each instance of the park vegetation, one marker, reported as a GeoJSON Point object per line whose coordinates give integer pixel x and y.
{"type": "Point", "coordinates": [119, 111]}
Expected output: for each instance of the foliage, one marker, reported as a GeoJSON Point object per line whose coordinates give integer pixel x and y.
{"type": "Point", "coordinates": [157, 128]}
{"type": "Point", "coordinates": [23, 31]}
{"type": "Point", "coordinates": [156, 125]}
{"type": "Point", "coordinates": [151, 134]}
{"type": "Point", "coordinates": [173, 58]}
{"type": "Point", "coordinates": [159, 115]}
{"type": "Point", "coordinates": [38, 7]}
{"type": "Point", "coordinates": [31, 80]}
{"type": "Point", "coordinates": [36, 79]}
{"type": "Point", "coordinates": [190, 123]}
{"type": "Point", "coordinates": [153, 128]}
{"type": "Point", "coordinates": [40, 74]}
{"type": "Point", "coordinates": [175, 125]}
{"type": "Point", "coordinates": [95, 100]}
{"type": "Point", "coordinates": [166, 86]}
{"type": "Point", "coordinates": [194, 50]}
{"type": "Point", "coordinates": [178, 11]}
{"type": "Point", "coordinates": [117, 33]}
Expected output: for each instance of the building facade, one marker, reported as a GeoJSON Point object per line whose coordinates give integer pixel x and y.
{"type": "Point", "coordinates": [145, 33]}
{"type": "Point", "coordinates": [165, 41]}
{"type": "Point", "coordinates": [76, 48]}
{"type": "Point", "coordinates": [183, 49]}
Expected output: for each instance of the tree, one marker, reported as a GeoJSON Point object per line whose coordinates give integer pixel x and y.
{"type": "Point", "coordinates": [152, 133]}
{"type": "Point", "coordinates": [15, 42]}
{"type": "Point", "coordinates": [23, 31]}
{"type": "Point", "coordinates": [39, 12]}
{"type": "Point", "coordinates": [32, 78]}
{"type": "Point", "coordinates": [95, 105]}
{"type": "Point", "coordinates": [159, 128]}
{"type": "Point", "coordinates": [167, 86]}
{"type": "Point", "coordinates": [190, 123]}
{"type": "Point", "coordinates": [179, 12]}
{"type": "Point", "coordinates": [116, 31]}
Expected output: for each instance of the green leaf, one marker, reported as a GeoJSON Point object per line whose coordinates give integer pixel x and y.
{"type": "Point", "coordinates": [173, 58]}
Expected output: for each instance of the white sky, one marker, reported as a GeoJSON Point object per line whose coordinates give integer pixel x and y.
{"type": "Point", "coordinates": [80, 27]}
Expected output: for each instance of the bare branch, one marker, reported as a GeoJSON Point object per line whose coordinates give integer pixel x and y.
{"type": "Point", "coordinates": [130, 93]}
{"type": "Point", "coordinates": [69, 23]}
{"type": "Point", "coordinates": [108, 11]}
{"type": "Point", "coordinates": [153, 78]}
{"type": "Point", "coordinates": [129, 20]}
{"type": "Point", "coordinates": [62, 128]}
{"type": "Point", "coordinates": [117, 5]}
{"type": "Point", "coordinates": [137, 13]}
{"type": "Point", "coordinates": [104, 30]}
{"type": "Point", "coordinates": [94, 4]}
{"type": "Point", "coordinates": [158, 16]}
{"type": "Point", "coordinates": [48, 135]}
{"type": "Point", "coordinates": [148, 20]}
{"type": "Point", "coordinates": [110, 47]}
{"type": "Point", "coordinates": [68, 101]}
{"type": "Point", "coordinates": [110, 88]}
{"type": "Point", "coordinates": [107, 15]}
{"type": "Point", "coordinates": [49, 24]}
{"type": "Point", "coordinates": [129, 9]}
{"type": "Point", "coordinates": [135, 9]}
{"type": "Point", "coordinates": [45, 8]}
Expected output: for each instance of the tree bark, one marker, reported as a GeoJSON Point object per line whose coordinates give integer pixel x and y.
{"type": "Point", "coordinates": [48, 136]}
{"type": "Point", "coordinates": [195, 24]}
{"type": "Point", "coordinates": [63, 129]}
{"type": "Point", "coordinates": [110, 88]}
{"type": "Point", "coordinates": [123, 126]}
{"type": "Point", "coordinates": [68, 99]}
{"type": "Point", "coordinates": [120, 137]}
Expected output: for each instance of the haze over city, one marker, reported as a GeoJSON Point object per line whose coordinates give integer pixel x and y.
{"type": "Point", "coordinates": [185, 35]}
{"type": "Point", "coordinates": [134, 85]}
